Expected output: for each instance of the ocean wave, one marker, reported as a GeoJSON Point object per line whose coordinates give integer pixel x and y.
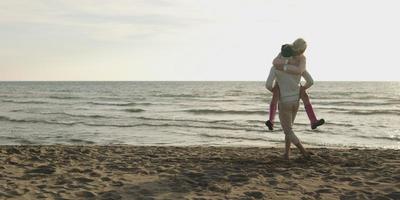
{"type": "Point", "coordinates": [349, 97]}
{"type": "Point", "coordinates": [106, 98]}
{"type": "Point", "coordinates": [391, 138]}
{"type": "Point", "coordinates": [302, 124]}
{"type": "Point", "coordinates": [9, 137]}
{"type": "Point", "coordinates": [347, 93]}
{"type": "Point", "coordinates": [63, 97]}
{"type": "Point", "coordinates": [394, 101]}
{"type": "Point", "coordinates": [112, 103]}
{"type": "Point", "coordinates": [234, 93]}
{"type": "Point", "coordinates": [64, 113]}
{"type": "Point", "coordinates": [144, 103]}
{"type": "Point", "coordinates": [134, 110]}
{"type": "Point", "coordinates": [222, 100]}
{"type": "Point", "coordinates": [238, 112]}
{"type": "Point", "coordinates": [248, 129]}
{"type": "Point", "coordinates": [359, 111]}
{"type": "Point", "coordinates": [208, 99]}
{"type": "Point", "coordinates": [177, 95]}
{"type": "Point", "coordinates": [65, 90]}
{"type": "Point", "coordinates": [24, 141]}
{"type": "Point", "coordinates": [81, 115]}
{"type": "Point", "coordinates": [352, 103]}
{"type": "Point", "coordinates": [255, 121]}
{"type": "Point", "coordinates": [239, 137]}
{"type": "Point", "coordinates": [367, 112]}
{"type": "Point", "coordinates": [3, 118]}
{"type": "Point", "coordinates": [207, 126]}
{"type": "Point", "coordinates": [110, 125]}
{"type": "Point", "coordinates": [217, 124]}
{"type": "Point", "coordinates": [227, 127]}
{"type": "Point", "coordinates": [81, 141]}
{"type": "Point", "coordinates": [24, 102]}
{"type": "Point", "coordinates": [18, 140]}
{"type": "Point", "coordinates": [339, 124]}
{"type": "Point", "coordinates": [182, 120]}
{"type": "Point", "coordinates": [18, 110]}
{"type": "Point", "coordinates": [120, 103]}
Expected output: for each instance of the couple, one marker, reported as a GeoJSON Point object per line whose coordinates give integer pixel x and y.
{"type": "Point", "coordinates": [288, 68]}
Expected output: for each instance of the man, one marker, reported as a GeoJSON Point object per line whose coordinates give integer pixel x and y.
{"type": "Point", "coordinates": [289, 85]}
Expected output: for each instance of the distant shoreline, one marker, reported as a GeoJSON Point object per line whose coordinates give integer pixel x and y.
{"type": "Point", "coordinates": [174, 81]}
{"type": "Point", "coordinates": [277, 146]}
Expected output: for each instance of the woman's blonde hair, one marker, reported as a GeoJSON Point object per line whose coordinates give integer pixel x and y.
{"type": "Point", "coordinates": [299, 45]}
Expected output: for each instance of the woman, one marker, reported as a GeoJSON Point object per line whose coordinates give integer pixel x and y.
{"type": "Point", "coordinates": [289, 86]}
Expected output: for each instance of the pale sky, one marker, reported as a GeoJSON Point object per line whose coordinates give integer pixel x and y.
{"type": "Point", "coordinates": [195, 39]}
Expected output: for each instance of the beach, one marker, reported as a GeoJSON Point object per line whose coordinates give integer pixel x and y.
{"type": "Point", "coordinates": [198, 172]}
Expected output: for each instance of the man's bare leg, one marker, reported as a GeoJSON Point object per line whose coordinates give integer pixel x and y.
{"type": "Point", "coordinates": [287, 148]}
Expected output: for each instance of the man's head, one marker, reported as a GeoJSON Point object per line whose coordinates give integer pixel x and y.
{"type": "Point", "coordinates": [286, 50]}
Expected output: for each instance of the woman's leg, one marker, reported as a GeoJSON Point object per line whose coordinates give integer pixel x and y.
{"type": "Point", "coordinates": [310, 111]}
{"type": "Point", "coordinates": [273, 107]}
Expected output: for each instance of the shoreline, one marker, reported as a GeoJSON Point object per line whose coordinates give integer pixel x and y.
{"type": "Point", "coordinates": [307, 146]}
{"type": "Point", "coordinates": [195, 172]}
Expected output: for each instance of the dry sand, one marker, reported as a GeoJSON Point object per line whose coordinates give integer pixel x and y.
{"type": "Point", "coordinates": [132, 172]}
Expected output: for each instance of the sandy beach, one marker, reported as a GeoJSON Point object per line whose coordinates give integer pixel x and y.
{"type": "Point", "coordinates": [135, 172]}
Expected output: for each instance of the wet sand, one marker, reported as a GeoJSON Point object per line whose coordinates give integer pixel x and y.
{"type": "Point", "coordinates": [134, 172]}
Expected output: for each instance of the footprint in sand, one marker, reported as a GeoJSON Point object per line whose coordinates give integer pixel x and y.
{"type": "Point", "coordinates": [255, 194]}
{"type": "Point", "coordinates": [85, 194]}
{"type": "Point", "coordinates": [356, 183]}
{"type": "Point", "coordinates": [43, 169]}
{"type": "Point", "coordinates": [83, 180]}
{"type": "Point", "coordinates": [110, 195]}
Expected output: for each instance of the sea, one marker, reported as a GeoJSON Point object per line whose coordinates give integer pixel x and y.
{"type": "Point", "coordinates": [357, 114]}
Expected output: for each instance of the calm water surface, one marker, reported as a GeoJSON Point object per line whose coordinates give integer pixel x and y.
{"type": "Point", "coordinates": [358, 114]}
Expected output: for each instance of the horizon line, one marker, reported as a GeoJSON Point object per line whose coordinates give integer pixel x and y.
{"type": "Point", "coordinates": [187, 81]}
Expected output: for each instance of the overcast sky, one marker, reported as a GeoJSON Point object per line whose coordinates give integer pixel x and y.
{"type": "Point", "coordinates": [195, 39]}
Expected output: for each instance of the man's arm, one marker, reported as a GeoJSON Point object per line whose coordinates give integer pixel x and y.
{"type": "Point", "coordinates": [271, 79]}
